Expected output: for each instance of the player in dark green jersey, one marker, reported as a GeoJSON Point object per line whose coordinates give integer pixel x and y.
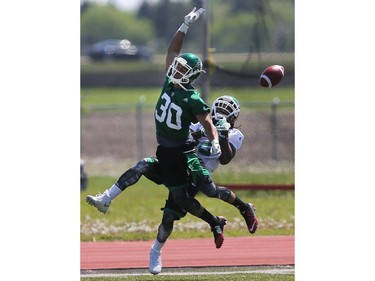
{"type": "Point", "coordinates": [178, 106]}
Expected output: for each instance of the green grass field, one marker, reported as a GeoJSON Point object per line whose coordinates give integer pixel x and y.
{"type": "Point", "coordinates": [135, 214]}
{"type": "Point", "coordinates": [91, 97]}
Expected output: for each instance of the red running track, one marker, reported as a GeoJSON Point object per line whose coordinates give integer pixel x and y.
{"type": "Point", "coordinates": [236, 251]}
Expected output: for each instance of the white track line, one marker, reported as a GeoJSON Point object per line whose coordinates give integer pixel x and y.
{"type": "Point", "coordinates": [259, 271]}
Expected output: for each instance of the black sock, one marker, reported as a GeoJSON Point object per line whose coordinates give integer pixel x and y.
{"type": "Point", "coordinates": [240, 205]}
{"type": "Point", "coordinates": [209, 218]}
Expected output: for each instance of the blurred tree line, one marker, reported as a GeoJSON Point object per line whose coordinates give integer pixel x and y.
{"type": "Point", "coordinates": [235, 26]}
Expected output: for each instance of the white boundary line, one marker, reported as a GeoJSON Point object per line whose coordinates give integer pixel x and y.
{"type": "Point", "coordinates": [259, 271]}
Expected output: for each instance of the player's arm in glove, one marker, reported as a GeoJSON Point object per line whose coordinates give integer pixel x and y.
{"type": "Point", "coordinates": [212, 135]}
{"type": "Point", "coordinates": [190, 18]}
{"type": "Point", "coordinates": [175, 45]}
{"type": "Point", "coordinates": [222, 128]}
{"type": "Point", "coordinates": [227, 150]}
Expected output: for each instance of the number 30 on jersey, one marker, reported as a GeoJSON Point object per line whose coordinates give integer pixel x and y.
{"type": "Point", "coordinates": [170, 113]}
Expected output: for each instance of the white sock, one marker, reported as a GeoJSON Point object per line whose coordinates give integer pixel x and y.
{"type": "Point", "coordinates": [157, 245]}
{"type": "Point", "coordinates": [114, 191]}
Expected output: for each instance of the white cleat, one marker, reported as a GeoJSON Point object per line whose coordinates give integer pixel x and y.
{"type": "Point", "coordinates": [155, 261]}
{"type": "Point", "coordinates": [100, 201]}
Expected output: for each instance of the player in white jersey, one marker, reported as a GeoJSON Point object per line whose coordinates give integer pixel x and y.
{"type": "Point", "coordinates": [235, 138]}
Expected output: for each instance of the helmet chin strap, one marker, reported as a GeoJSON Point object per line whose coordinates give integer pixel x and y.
{"type": "Point", "coordinates": [182, 87]}
{"type": "Point", "coordinates": [178, 82]}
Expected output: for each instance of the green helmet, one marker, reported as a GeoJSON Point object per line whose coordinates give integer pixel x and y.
{"type": "Point", "coordinates": [185, 69]}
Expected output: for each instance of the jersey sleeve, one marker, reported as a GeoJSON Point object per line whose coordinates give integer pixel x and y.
{"type": "Point", "coordinates": [198, 104]}
{"type": "Point", "coordinates": [236, 138]}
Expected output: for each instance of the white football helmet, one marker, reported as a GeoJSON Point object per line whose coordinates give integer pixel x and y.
{"type": "Point", "coordinates": [226, 106]}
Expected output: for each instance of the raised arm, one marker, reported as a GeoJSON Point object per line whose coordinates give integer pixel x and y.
{"type": "Point", "coordinates": [175, 45]}
{"type": "Point", "coordinates": [174, 48]}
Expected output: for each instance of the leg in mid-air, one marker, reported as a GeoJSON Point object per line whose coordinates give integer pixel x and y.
{"type": "Point", "coordinates": [193, 206]}
{"type": "Point", "coordinates": [147, 167]}
{"type": "Point", "coordinates": [201, 177]}
{"type": "Point", "coordinates": [207, 186]}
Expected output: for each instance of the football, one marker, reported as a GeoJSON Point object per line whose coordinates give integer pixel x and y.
{"type": "Point", "coordinates": [271, 76]}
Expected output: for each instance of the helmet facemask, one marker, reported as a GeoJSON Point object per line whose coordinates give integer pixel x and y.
{"type": "Point", "coordinates": [226, 107]}
{"type": "Point", "coordinates": [180, 72]}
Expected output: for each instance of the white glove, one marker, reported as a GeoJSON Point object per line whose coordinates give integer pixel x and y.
{"type": "Point", "coordinates": [193, 15]}
{"type": "Point", "coordinates": [215, 148]}
{"type": "Point", "coordinates": [222, 128]}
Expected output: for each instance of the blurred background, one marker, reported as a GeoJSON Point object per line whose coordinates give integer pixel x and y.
{"type": "Point", "coordinates": [123, 47]}
{"type": "Point", "coordinates": [235, 26]}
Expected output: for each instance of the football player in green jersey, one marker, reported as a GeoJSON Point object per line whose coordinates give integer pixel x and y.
{"type": "Point", "coordinates": [225, 111]}
{"type": "Point", "coordinates": [178, 106]}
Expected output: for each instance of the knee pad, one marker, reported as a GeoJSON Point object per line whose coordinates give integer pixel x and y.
{"type": "Point", "coordinates": [226, 194]}
{"type": "Point", "coordinates": [205, 184]}
{"type": "Point", "coordinates": [145, 165]}
{"type": "Point", "coordinates": [167, 220]}
{"type": "Point", "coordinates": [131, 176]}
{"type": "Point", "coordinates": [163, 233]}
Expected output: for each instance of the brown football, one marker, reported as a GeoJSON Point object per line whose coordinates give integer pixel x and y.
{"type": "Point", "coordinates": [271, 76]}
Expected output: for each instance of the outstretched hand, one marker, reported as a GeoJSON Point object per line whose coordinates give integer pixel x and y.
{"type": "Point", "coordinates": [193, 15]}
